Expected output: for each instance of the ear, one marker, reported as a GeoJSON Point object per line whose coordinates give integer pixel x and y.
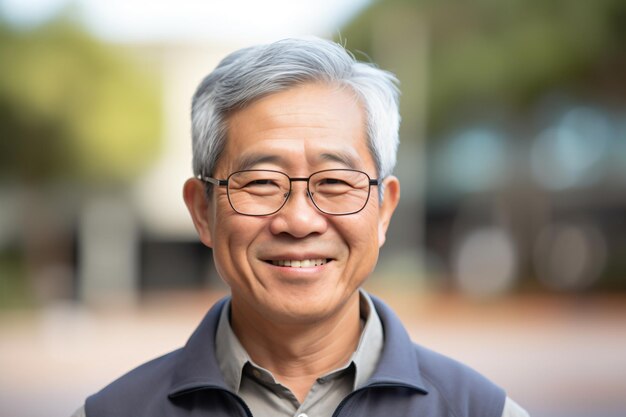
{"type": "Point", "coordinates": [391, 197]}
{"type": "Point", "coordinates": [198, 205]}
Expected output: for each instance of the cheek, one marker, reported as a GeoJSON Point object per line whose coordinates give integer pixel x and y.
{"type": "Point", "coordinates": [232, 250]}
{"type": "Point", "coordinates": [234, 235]}
{"type": "Point", "coordinates": [361, 231]}
{"type": "Point", "coordinates": [368, 223]}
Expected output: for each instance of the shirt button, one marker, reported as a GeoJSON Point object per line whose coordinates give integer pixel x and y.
{"type": "Point", "coordinates": [302, 415]}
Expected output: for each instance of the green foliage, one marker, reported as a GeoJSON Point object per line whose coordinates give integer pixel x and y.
{"type": "Point", "coordinates": [73, 108]}
{"type": "Point", "coordinates": [501, 53]}
{"type": "Point", "coordinates": [14, 291]}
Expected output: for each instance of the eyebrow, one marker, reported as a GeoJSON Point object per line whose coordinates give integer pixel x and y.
{"type": "Point", "coordinates": [251, 160]}
{"type": "Point", "coordinates": [341, 157]}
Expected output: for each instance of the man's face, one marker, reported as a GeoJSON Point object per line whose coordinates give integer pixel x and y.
{"type": "Point", "coordinates": [299, 131]}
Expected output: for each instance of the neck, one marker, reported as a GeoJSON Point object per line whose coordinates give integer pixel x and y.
{"type": "Point", "coordinates": [299, 353]}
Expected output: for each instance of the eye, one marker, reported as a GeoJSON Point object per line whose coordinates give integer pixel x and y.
{"type": "Point", "coordinates": [260, 187]}
{"type": "Point", "coordinates": [333, 185]}
{"type": "Point", "coordinates": [332, 181]}
{"type": "Point", "coordinates": [261, 182]}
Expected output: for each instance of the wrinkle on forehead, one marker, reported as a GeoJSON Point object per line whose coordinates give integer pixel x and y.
{"type": "Point", "coordinates": [301, 110]}
{"type": "Point", "coordinates": [289, 153]}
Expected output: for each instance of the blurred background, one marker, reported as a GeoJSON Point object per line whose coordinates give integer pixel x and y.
{"type": "Point", "coordinates": [508, 250]}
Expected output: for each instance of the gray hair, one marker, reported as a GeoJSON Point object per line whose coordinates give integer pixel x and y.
{"type": "Point", "coordinates": [251, 73]}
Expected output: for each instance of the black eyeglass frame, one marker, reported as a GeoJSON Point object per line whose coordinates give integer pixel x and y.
{"type": "Point", "coordinates": [224, 183]}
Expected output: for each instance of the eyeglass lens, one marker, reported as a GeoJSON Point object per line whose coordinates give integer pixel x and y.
{"type": "Point", "coordinates": [260, 192]}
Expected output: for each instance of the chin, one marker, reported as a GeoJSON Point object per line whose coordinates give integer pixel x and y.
{"type": "Point", "coordinates": [302, 308]}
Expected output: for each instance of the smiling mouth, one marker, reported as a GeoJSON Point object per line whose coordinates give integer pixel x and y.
{"type": "Point", "coordinates": [299, 263]}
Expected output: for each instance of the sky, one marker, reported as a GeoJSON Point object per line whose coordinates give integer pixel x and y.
{"type": "Point", "coordinates": [159, 20]}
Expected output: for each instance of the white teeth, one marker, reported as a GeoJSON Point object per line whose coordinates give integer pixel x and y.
{"type": "Point", "coordinates": [295, 263]}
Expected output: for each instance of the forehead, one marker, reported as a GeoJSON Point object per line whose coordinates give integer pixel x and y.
{"type": "Point", "coordinates": [311, 124]}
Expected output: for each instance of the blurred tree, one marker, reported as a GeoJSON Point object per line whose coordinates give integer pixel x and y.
{"type": "Point", "coordinates": [73, 108]}
{"type": "Point", "coordinates": [497, 53]}
{"type": "Point", "coordinates": [76, 117]}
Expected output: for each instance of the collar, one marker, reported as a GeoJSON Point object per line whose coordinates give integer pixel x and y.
{"type": "Point", "coordinates": [198, 368]}
{"type": "Point", "coordinates": [398, 362]}
{"type": "Point", "coordinates": [370, 347]}
{"type": "Point", "coordinates": [231, 355]}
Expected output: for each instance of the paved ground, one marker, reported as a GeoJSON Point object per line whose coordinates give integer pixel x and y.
{"type": "Point", "coordinates": [556, 356]}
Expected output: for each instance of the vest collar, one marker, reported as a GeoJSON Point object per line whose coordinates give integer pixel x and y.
{"type": "Point", "coordinates": [398, 362]}
{"type": "Point", "coordinates": [197, 366]}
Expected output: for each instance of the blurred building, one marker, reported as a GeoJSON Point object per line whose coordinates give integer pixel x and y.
{"type": "Point", "coordinates": [544, 212]}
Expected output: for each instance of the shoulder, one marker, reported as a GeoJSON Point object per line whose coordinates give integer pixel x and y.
{"type": "Point", "coordinates": [147, 389]}
{"type": "Point", "coordinates": [447, 384]}
{"type": "Point", "coordinates": [141, 382]}
{"type": "Point", "coordinates": [457, 385]}
{"type": "Point", "coordinates": [153, 370]}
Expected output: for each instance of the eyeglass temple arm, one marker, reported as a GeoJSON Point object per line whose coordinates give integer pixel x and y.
{"type": "Point", "coordinates": [214, 181]}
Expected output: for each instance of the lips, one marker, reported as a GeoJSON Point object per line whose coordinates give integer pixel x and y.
{"type": "Point", "coordinates": [299, 263]}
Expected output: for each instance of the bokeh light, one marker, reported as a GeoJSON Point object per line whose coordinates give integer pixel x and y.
{"type": "Point", "coordinates": [570, 256]}
{"type": "Point", "coordinates": [473, 160]}
{"type": "Point", "coordinates": [572, 153]}
{"type": "Point", "coordinates": [485, 263]}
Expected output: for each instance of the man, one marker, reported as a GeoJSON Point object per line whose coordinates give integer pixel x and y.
{"type": "Point", "coordinates": [294, 145]}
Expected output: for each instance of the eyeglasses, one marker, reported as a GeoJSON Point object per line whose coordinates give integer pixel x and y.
{"type": "Point", "coordinates": [260, 192]}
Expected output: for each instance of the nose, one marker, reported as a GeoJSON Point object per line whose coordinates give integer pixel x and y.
{"type": "Point", "coordinates": [299, 217]}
